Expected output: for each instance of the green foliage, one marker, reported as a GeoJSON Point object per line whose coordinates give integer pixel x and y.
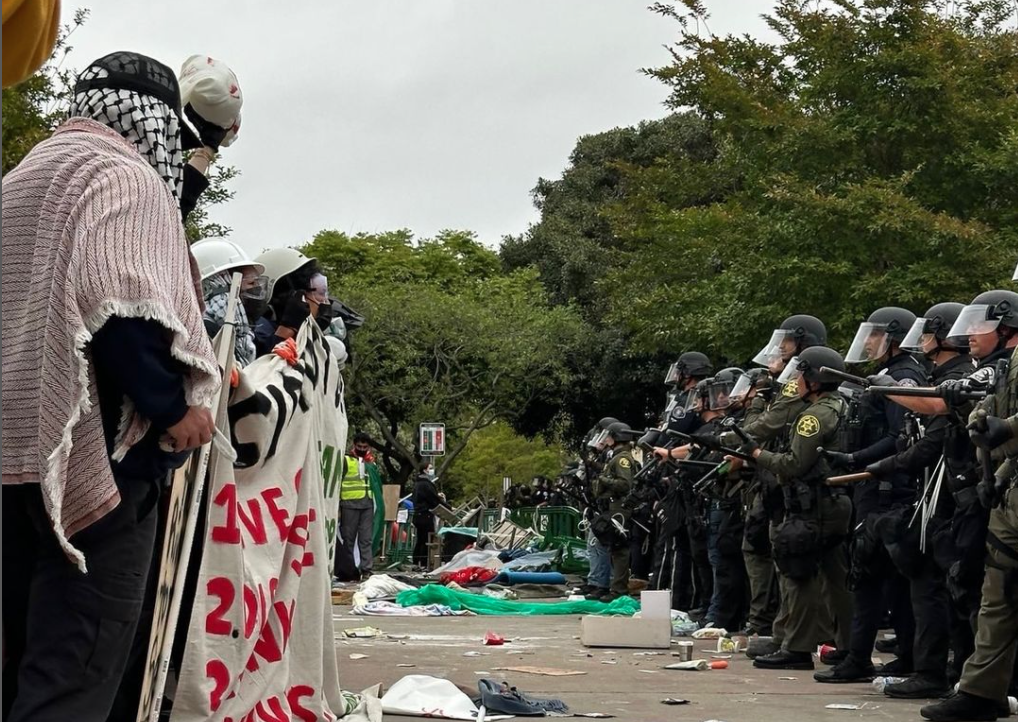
{"type": "Point", "coordinates": [866, 159]}
{"type": "Point", "coordinates": [199, 225]}
{"type": "Point", "coordinates": [498, 452]}
{"type": "Point", "coordinates": [449, 337]}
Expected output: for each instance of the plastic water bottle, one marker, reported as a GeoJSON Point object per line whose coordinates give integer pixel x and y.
{"type": "Point", "coordinates": [880, 682]}
{"type": "Point", "coordinates": [1012, 703]}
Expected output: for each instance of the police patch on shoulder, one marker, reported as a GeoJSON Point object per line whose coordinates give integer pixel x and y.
{"type": "Point", "coordinates": [791, 388]}
{"type": "Point", "coordinates": [809, 425]}
{"type": "Point", "coordinates": [624, 463]}
{"type": "Point", "coordinates": [908, 382]}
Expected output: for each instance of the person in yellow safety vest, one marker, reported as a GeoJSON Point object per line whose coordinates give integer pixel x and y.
{"type": "Point", "coordinates": [357, 508]}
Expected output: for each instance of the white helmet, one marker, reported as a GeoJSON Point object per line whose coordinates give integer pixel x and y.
{"type": "Point", "coordinates": [279, 262]}
{"type": "Point", "coordinates": [1015, 277]}
{"type": "Point", "coordinates": [214, 255]}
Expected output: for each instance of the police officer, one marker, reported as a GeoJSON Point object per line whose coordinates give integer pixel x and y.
{"type": "Point", "coordinates": [809, 544]}
{"type": "Point", "coordinates": [927, 454]}
{"type": "Point", "coordinates": [994, 430]}
{"type": "Point", "coordinates": [772, 429]}
{"type": "Point", "coordinates": [596, 454]}
{"type": "Point", "coordinates": [876, 584]}
{"type": "Point", "coordinates": [682, 377]}
{"type": "Point", "coordinates": [610, 489]}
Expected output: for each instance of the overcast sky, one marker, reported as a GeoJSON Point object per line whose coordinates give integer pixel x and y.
{"type": "Point", "coordinates": [422, 114]}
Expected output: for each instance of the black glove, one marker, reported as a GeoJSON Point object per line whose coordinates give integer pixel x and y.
{"type": "Point", "coordinates": [989, 497]}
{"type": "Point", "coordinates": [707, 441]}
{"type": "Point", "coordinates": [839, 459]}
{"type": "Point", "coordinates": [748, 446]}
{"type": "Point", "coordinates": [883, 468]}
{"type": "Point", "coordinates": [296, 311]}
{"type": "Point", "coordinates": [953, 391]}
{"type": "Point", "coordinates": [210, 134]}
{"type": "Point", "coordinates": [990, 432]}
{"type": "Point", "coordinates": [881, 380]}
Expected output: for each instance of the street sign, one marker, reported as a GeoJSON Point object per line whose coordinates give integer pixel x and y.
{"type": "Point", "coordinates": [432, 439]}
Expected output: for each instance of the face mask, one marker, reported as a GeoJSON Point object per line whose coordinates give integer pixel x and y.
{"type": "Point", "coordinates": [324, 316]}
{"type": "Point", "coordinates": [255, 308]}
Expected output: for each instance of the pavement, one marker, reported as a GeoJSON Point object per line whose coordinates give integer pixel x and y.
{"type": "Point", "coordinates": [619, 682]}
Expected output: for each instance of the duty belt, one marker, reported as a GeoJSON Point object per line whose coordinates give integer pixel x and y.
{"type": "Point", "coordinates": [966, 497]}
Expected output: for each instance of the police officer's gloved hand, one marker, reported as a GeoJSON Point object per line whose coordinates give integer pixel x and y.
{"type": "Point", "coordinates": [953, 391]}
{"type": "Point", "coordinates": [839, 459]}
{"type": "Point", "coordinates": [881, 380]}
{"type": "Point", "coordinates": [990, 432]}
{"type": "Point", "coordinates": [883, 468]}
{"type": "Point", "coordinates": [749, 445]}
{"type": "Point", "coordinates": [988, 495]}
{"type": "Point", "coordinates": [708, 441]}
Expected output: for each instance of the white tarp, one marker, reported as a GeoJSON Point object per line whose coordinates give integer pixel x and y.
{"type": "Point", "coordinates": [260, 645]}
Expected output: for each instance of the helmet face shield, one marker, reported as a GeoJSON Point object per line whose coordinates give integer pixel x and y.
{"type": "Point", "coordinates": [917, 338]}
{"type": "Point", "coordinates": [871, 342]}
{"type": "Point", "coordinates": [792, 371]}
{"type": "Point", "coordinates": [719, 395]}
{"type": "Point", "coordinates": [781, 346]}
{"type": "Point", "coordinates": [673, 376]}
{"type": "Point", "coordinates": [974, 320]}
{"type": "Point", "coordinates": [599, 440]}
{"type": "Point", "coordinates": [254, 287]}
{"type": "Point", "coordinates": [741, 389]}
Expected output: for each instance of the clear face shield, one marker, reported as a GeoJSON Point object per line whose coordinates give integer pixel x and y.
{"type": "Point", "coordinates": [870, 343]}
{"type": "Point", "coordinates": [599, 440]}
{"type": "Point", "coordinates": [719, 395]}
{"type": "Point", "coordinates": [673, 376]}
{"type": "Point", "coordinates": [254, 287]}
{"type": "Point", "coordinates": [773, 350]}
{"type": "Point", "coordinates": [740, 391]}
{"type": "Point", "coordinates": [792, 372]}
{"type": "Point", "coordinates": [974, 320]}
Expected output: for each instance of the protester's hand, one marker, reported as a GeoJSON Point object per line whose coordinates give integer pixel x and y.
{"type": "Point", "coordinates": [881, 380]}
{"type": "Point", "coordinates": [296, 311]}
{"type": "Point", "coordinates": [194, 430]}
{"type": "Point", "coordinates": [839, 459]}
{"type": "Point", "coordinates": [882, 469]}
{"type": "Point", "coordinates": [990, 432]}
{"type": "Point", "coordinates": [210, 134]}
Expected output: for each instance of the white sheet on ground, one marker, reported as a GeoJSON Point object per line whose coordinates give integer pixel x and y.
{"type": "Point", "coordinates": [419, 695]}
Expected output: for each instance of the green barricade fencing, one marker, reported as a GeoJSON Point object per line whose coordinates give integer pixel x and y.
{"type": "Point", "coordinates": [479, 604]}
{"type": "Point", "coordinates": [573, 558]}
{"type": "Point", "coordinates": [557, 521]}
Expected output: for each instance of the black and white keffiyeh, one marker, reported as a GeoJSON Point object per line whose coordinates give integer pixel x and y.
{"type": "Point", "coordinates": [147, 122]}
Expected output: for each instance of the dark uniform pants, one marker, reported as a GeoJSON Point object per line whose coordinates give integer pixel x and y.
{"type": "Point", "coordinates": [620, 570]}
{"type": "Point", "coordinates": [424, 527]}
{"type": "Point", "coordinates": [67, 635]}
{"type": "Point", "coordinates": [761, 575]}
{"type": "Point", "coordinates": [673, 569]}
{"type": "Point", "coordinates": [988, 671]}
{"type": "Point", "coordinates": [884, 588]}
{"type": "Point", "coordinates": [804, 599]}
{"type": "Point", "coordinates": [931, 608]}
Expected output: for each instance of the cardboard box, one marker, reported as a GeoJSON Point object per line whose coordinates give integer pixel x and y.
{"type": "Point", "coordinates": [656, 604]}
{"type": "Point", "coordinates": [598, 631]}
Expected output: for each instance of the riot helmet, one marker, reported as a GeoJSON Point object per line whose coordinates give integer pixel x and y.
{"type": "Point", "coordinates": [690, 365]}
{"type": "Point", "coordinates": [932, 329]}
{"type": "Point", "coordinates": [993, 311]}
{"type": "Point", "coordinates": [878, 333]}
{"type": "Point", "coordinates": [720, 387]}
{"type": "Point", "coordinates": [698, 396]}
{"type": "Point", "coordinates": [808, 364]}
{"type": "Point", "coordinates": [795, 333]}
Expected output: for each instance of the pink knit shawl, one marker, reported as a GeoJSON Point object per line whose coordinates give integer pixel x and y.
{"type": "Point", "coordinates": [90, 231]}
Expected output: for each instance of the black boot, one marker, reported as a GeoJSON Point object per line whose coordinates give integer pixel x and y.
{"type": "Point", "coordinates": [962, 707]}
{"type": "Point", "coordinates": [756, 649]}
{"type": "Point", "coordinates": [596, 594]}
{"type": "Point", "coordinates": [921, 686]}
{"type": "Point", "coordinates": [888, 646]}
{"type": "Point", "coordinates": [848, 670]}
{"type": "Point", "coordinates": [784, 659]}
{"type": "Point", "coordinates": [898, 667]}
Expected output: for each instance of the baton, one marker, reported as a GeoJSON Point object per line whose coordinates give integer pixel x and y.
{"type": "Point", "coordinates": [734, 453]}
{"type": "Point", "coordinates": [925, 392]}
{"type": "Point", "coordinates": [860, 380]}
{"type": "Point", "coordinates": [848, 478]}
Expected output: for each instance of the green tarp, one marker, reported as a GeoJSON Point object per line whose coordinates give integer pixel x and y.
{"type": "Point", "coordinates": [437, 594]}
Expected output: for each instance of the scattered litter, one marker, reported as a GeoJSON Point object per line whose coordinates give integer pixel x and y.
{"type": "Point", "coordinates": [545, 671]}
{"type": "Point", "coordinates": [397, 637]}
{"type": "Point", "coordinates": [363, 633]}
{"type": "Point", "coordinates": [474, 654]}
{"type": "Point", "coordinates": [355, 657]}
{"type": "Point", "coordinates": [721, 656]}
{"type": "Point", "coordinates": [502, 698]}
{"type": "Point", "coordinates": [649, 671]}
{"type": "Point", "coordinates": [864, 705]}
{"type": "Point", "coordinates": [493, 640]}
{"type": "Point", "coordinates": [719, 664]}
{"type": "Point", "coordinates": [406, 665]}
{"type": "Point", "coordinates": [787, 679]}
{"type": "Point", "coordinates": [710, 633]}
{"type": "Point", "coordinates": [692, 665]}
{"type": "Point", "coordinates": [608, 661]}
{"type": "Point", "coordinates": [673, 701]}
{"type": "Point", "coordinates": [482, 673]}
{"type": "Point", "coordinates": [647, 654]}
{"type": "Point", "coordinates": [419, 695]}
{"type": "Point", "coordinates": [728, 645]}
{"type": "Point", "coordinates": [594, 715]}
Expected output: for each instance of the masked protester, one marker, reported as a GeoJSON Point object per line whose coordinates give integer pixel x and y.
{"type": "Point", "coordinates": [106, 366]}
{"type": "Point", "coordinates": [289, 275]}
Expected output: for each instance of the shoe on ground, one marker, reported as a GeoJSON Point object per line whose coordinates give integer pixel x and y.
{"type": "Point", "coordinates": [608, 597]}
{"type": "Point", "coordinates": [584, 589]}
{"type": "Point", "coordinates": [761, 649]}
{"type": "Point", "coordinates": [751, 631]}
{"type": "Point", "coordinates": [897, 667]}
{"type": "Point", "coordinates": [784, 659]}
{"type": "Point", "coordinates": [834, 656]}
{"type": "Point", "coordinates": [596, 594]}
{"type": "Point", "coordinates": [920, 686]}
{"type": "Point", "coordinates": [637, 585]}
{"type": "Point", "coordinates": [962, 707]}
{"type": "Point", "coordinates": [887, 646]}
{"type": "Point", "coordinates": [847, 671]}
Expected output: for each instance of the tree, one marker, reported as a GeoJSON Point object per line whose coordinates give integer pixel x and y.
{"type": "Point", "coordinates": [448, 337]}
{"type": "Point", "coordinates": [867, 158]}
{"type": "Point", "coordinates": [498, 452]}
{"type": "Point", "coordinates": [199, 225]}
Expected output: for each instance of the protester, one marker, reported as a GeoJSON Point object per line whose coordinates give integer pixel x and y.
{"type": "Point", "coordinates": [29, 35]}
{"type": "Point", "coordinates": [104, 393]}
{"type": "Point", "coordinates": [425, 499]}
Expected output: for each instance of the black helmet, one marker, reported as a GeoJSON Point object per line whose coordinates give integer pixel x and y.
{"type": "Point", "coordinates": [607, 421]}
{"type": "Point", "coordinates": [808, 364]}
{"type": "Point", "coordinates": [690, 365]}
{"type": "Point", "coordinates": [876, 334]}
{"type": "Point", "coordinates": [936, 322]}
{"type": "Point", "coordinates": [699, 392]}
{"type": "Point", "coordinates": [803, 330]}
{"type": "Point", "coordinates": [987, 313]}
{"type": "Point", "coordinates": [620, 431]}
{"type": "Point", "coordinates": [719, 389]}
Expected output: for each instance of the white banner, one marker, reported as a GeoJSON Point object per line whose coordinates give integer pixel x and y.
{"type": "Point", "coordinates": [260, 646]}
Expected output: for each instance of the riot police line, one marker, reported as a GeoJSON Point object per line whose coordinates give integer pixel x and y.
{"type": "Point", "coordinates": [819, 497]}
